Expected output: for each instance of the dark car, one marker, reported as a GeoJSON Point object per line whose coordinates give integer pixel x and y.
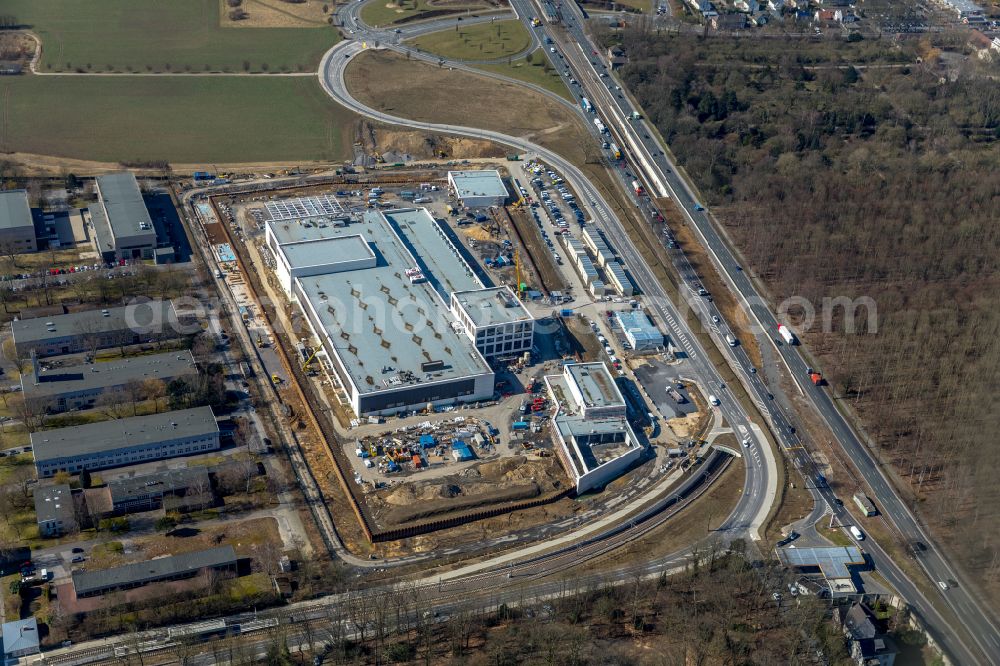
{"type": "Point", "coordinates": [78, 550]}
{"type": "Point", "coordinates": [919, 547]}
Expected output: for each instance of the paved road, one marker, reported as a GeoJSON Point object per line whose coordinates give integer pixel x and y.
{"type": "Point", "coordinates": [577, 56]}
{"type": "Point", "coordinates": [660, 174]}
{"type": "Point", "coordinates": [752, 510]}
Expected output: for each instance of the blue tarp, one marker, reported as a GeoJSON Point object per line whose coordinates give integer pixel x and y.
{"type": "Point", "coordinates": [462, 451]}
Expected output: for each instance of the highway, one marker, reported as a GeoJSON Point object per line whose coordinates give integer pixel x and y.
{"type": "Point", "coordinates": [660, 174]}
{"type": "Point", "coordinates": [761, 468]}
{"type": "Point", "coordinates": [578, 59]}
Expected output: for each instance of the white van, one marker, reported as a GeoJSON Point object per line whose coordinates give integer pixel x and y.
{"type": "Point", "coordinates": [857, 534]}
{"type": "Point", "coordinates": [712, 399]}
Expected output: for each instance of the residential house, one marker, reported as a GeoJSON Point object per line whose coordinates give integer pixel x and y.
{"type": "Point", "coordinates": [867, 645]}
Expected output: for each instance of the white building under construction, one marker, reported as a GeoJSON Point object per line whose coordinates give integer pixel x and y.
{"type": "Point", "coordinates": [596, 444]}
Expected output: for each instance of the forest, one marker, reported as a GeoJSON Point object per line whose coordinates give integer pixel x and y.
{"type": "Point", "coordinates": [863, 169]}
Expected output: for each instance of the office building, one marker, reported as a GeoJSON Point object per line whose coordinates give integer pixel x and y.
{"type": "Point", "coordinates": [17, 229]}
{"type": "Point", "coordinates": [121, 223]}
{"type": "Point", "coordinates": [138, 439]}
{"type": "Point", "coordinates": [90, 330]}
{"type": "Point", "coordinates": [55, 512]}
{"type": "Point", "coordinates": [495, 320]}
{"type": "Point", "coordinates": [477, 189]}
{"type": "Point", "coordinates": [66, 388]}
{"type": "Point", "coordinates": [596, 444]}
{"type": "Point", "coordinates": [173, 489]}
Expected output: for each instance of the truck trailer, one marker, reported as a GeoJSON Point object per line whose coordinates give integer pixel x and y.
{"type": "Point", "coordinates": [637, 187]}
{"type": "Point", "coordinates": [587, 106]}
{"type": "Point", "coordinates": [786, 334]}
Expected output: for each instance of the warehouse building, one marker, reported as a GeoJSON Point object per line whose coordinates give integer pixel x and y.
{"type": "Point", "coordinates": [595, 442]}
{"type": "Point", "coordinates": [95, 329]}
{"type": "Point", "coordinates": [138, 439]}
{"type": "Point", "coordinates": [477, 189]}
{"type": "Point", "coordinates": [78, 387]}
{"type": "Point", "coordinates": [495, 320]}
{"type": "Point", "coordinates": [172, 567]}
{"type": "Point", "coordinates": [379, 306]}
{"type": "Point", "coordinates": [615, 274]}
{"type": "Point", "coordinates": [121, 223]}
{"type": "Point", "coordinates": [17, 229]}
{"type": "Point", "coordinates": [639, 331]}
{"type": "Point", "coordinates": [54, 510]}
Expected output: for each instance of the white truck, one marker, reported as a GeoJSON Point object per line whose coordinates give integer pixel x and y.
{"type": "Point", "coordinates": [786, 334]}
{"type": "Point", "coordinates": [732, 341]}
{"type": "Point", "coordinates": [857, 534]}
{"type": "Point", "coordinates": [712, 399]}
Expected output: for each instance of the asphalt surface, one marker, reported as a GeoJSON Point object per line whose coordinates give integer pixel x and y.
{"type": "Point", "coordinates": [660, 174]}
{"type": "Point", "coordinates": [752, 510]}
{"type": "Point", "coordinates": [576, 58]}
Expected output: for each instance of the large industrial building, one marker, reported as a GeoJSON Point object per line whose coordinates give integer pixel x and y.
{"type": "Point", "coordinates": [495, 320]}
{"type": "Point", "coordinates": [376, 292]}
{"type": "Point", "coordinates": [17, 229]}
{"type": "Point", "coordinates": [139, 439]}
{"type": "Point", "coordinates": [639, 331]}
{"type": "Point", "coordinates": [121, 222]}
{"type": "Point", "coordinates": [477, 189]}
{"type": "Point", "coordinates": [595, 442]}
{"type": "Point", "coordinates": [65, 388]}
{"type": "Point", "coordinates": [94, 329]}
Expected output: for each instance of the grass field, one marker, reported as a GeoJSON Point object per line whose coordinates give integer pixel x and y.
{"type": "Point", "coordinates": [383, 80]}
{"type": "Point", "coordinates": [385, 12]}
{"type": "Point", "coordinates": [144, 35]}
{"type": "Point", "coordinates": [178, 119]}
{"type": "Point", "coordinates": [481, 41]}
{"type": "Point", "coordinates": [533, 72]}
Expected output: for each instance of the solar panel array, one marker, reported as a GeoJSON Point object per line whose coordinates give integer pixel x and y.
{"type": "Point", "coordinates": [833, 561]}
{"type": "Point", "coordinates": [296, 209]}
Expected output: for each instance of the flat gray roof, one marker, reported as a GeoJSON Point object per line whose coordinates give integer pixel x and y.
{"type": "Point", "coordinates": [484, 183]}
{"type": "Point", "coordinates": [152, 570]}
{"type": "Point", "coordinates": [381, 324]}
{"type": "Point", "coordinates": [157, 482]}
{"type": "Point", "coordinates": [440, 259]}
{"type": "Point", "coordinates": [54, 502]}
{"type": "Point", "coordinates": [490, 307]}
{"type": "Point", "coordinates": [14, 210]}
{"type": "Point", "coordinates": [122, 433]}
{"type": "Point", "coordinates": [122, 202]}
{"type": "Point", "coordinates": [60, 380]}
{"type": "Point", "coordinates": [328, 251]}
{"type": "Point", "coordinates": [143, 315]}
{"type": "Point", "coordinates": [595, 384]}
{"type": "Point", "coordinates": [832, 561]}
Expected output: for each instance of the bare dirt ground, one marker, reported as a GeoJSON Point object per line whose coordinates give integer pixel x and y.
{"type": "Point", "coordinates": [537, 252]}
{"type": "Point", "coordinates": [485, 484]}
{"type": "Point", "coordinates": [386, 81]}
{"type": "Point", "coordinates": [277, 14]}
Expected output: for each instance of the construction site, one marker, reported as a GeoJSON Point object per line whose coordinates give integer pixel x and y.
{"type": "Point", "coordinates": [409, 338]}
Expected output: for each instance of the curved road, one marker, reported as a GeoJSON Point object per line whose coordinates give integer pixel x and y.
{"type": "Point", "coordinates": [761, 484]}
